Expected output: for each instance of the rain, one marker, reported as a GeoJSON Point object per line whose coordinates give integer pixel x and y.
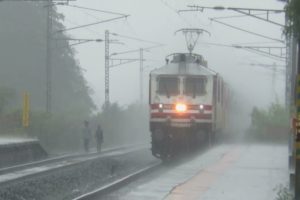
{"type": "Point", "coordinates": [139, 99]}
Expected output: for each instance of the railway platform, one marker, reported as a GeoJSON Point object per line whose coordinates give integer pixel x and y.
{"type": "Point", "coordinates": [14, 151]}
{"type": "Point", "coordinates": [227, 172]}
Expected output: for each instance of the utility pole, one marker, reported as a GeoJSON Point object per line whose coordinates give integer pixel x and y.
{"type": "Point", "coordinates": [80, 41]}
{"type": "Point", "coordinates": [111, 61]}
{"type": "Point", "coordinates": [141, 75]}
{"type": "Point", "coordinates": [49, 59]}
{"type": "Point", "coordinates": [273, 92]}
{"type": "Point", "coordinates": [106, 76]}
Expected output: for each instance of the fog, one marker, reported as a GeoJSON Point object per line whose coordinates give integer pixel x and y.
{"type": "Point", "coordinates": [157, 21]}
{"type": "Point", "coordinates": [52, 100]}
{"type": "Point", "coordinates": [150, 22]}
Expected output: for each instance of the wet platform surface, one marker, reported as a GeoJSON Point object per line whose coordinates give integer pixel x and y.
{"type": "Point", "coordinates": [14, 151]}
{"type": "Point", "coordinates": [226, 172]}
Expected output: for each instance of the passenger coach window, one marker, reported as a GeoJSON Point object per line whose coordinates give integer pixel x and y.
{"type": "Point", "coordinates": [195, 86]}
{"type": "Point", "coordinates": [168, 86]}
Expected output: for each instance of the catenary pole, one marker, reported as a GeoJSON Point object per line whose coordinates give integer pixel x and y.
{"type": "Point", "coordinates": [106, 76]}
{"type": "Point", "coordinates": [49, 58]}
{"type": "Point", "coordinates": [141, 74]}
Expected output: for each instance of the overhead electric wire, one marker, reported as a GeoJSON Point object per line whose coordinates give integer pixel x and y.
{"type": "Point", "coordinates": [90, 15]}
{"type": "Point", "coordinates": [97, 10]}
{"type": "Point", "coordinates": [260, 18]}
{"type": "Point", "coordinates": [77, 43]}
{"type": "Point", "coordinates": [92, 24]}
{"type": "Point", "coordinates": [263, 54]}
{"type": "Point", "coordinates": [247, 49]}
{"type": "Point", "coordinates": [236, 16]}
{"type": "Point", "coordinates": [125, 52]}
{"type": "Point", "coordinates": [257, 43]}
{"type": "Point", "coordinates": [134, 38]}
{"type": "Point", "coordinates": [135, 50]}
{"type": "Point", "coordinates": [198, 8]}
{"type": "Point", "coordinates": [174, 10]}
{"type": "Point", "coordinates": [267, 65]}
{"type": "Point", "coordinates": [250, 32]}
{"type": "Point", "coordinates": [86, 29]}
{"type": "Point", "coordinates": [263, 47]}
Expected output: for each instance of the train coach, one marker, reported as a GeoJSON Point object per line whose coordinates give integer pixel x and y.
{"type": "Point", "coordinates": [188, 105]}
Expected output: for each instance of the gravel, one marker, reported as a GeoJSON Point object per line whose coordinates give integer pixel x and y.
{"type": "Point", "coordinates": [70, 182]}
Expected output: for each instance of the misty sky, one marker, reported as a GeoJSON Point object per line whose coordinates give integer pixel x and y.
{"type": "Point", "coordinates": [157, 20]}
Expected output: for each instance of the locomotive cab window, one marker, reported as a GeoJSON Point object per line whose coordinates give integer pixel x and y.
{"type": "Point", "coordinates": [195, 86]}
{"type": "Point", "coordinates": [168, 86]}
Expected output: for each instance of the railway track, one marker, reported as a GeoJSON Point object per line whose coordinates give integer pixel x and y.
{"type": "Point", "coordinates": [20, 172]}
{"type": "Point", "coordinates": [15, 168]}
{"type": "Point", "coordinates": [158, 167]}
{"type": "Point", "coordinates": [97, 193]}
{"type": "Point", "coordinates": [90, 176]}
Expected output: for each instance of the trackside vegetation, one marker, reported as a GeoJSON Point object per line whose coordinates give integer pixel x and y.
{"type": "Point", "coordinates": [270, 124]}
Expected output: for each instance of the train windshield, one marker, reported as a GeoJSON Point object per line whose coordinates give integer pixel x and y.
{"type": "Point", "coordinates": [195, 86]}
{"type": "Point", "coordinates": [168, 86]}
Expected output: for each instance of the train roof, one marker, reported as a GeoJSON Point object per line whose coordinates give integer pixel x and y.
{"type": "Point", "coordinates": [184, 64]}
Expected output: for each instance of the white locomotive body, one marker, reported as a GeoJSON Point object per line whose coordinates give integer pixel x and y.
{"type": "Point", "coordinates": [187, 104]}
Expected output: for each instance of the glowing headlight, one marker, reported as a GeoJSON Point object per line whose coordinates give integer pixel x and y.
{"type": "Point", "coordinates": [201, 107]}
{"type": "Point", "coordinates": [180, 107]}
{"type": "Point", "coordinates": [160, 107]}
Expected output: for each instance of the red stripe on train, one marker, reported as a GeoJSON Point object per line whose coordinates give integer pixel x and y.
{"type": "Point", "coordinates": [172, 106]}
{"type": "Point", "coordinates": [182, 115]}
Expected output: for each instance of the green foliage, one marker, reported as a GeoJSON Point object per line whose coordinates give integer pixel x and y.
{"type": "Point", "coordinates": [271, 124]}
{"type": "Point", "coordinates": [293, 13]}
{"type": "Point", "coordinates": [23, 59]}
{"type": "Point", "coordinates": [283, 193]}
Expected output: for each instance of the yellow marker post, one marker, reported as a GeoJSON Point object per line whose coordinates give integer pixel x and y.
{"type": "Point", "coordinates": [26, 107]}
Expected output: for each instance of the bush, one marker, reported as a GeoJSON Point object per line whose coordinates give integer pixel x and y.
{"type": "Point", "coordinates": [270, 124]}
{"type": "Point", "coordinates": [283, 193]}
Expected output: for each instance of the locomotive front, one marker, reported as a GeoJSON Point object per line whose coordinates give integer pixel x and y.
{"type": "Point", "coordinates": [181, 96]}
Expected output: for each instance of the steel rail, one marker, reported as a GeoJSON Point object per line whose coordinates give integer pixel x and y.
{"type": "Point", "coordinates": [14, 168]}
{"type": "Point", "coordinates": [106, 189]}
{"type": "Point", "coordinates": [43, 169]}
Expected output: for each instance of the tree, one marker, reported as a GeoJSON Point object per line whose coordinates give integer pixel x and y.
{"type": "Point", "coordinates": [271, 123]}
{"type": "Point", "coordinates": [292, 9]}
{"type": "Point", "coordinates": [23, 59]}
{"type": "Point", "coordinates": [293, 13]}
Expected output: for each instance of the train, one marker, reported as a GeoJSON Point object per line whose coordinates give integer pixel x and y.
{"type": "Point", "coordinates": [188, 105]}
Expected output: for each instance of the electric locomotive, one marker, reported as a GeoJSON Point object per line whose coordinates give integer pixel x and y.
{"type": "Point", "coordinates": [188, 103]}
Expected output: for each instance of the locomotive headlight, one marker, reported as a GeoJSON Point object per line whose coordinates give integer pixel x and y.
{"type": "Point", "coordinates": [160, 107]}
{"type": "Point", "coordinates": [180, 107]}
{"type": "Point", "coordinates": [201, 107]}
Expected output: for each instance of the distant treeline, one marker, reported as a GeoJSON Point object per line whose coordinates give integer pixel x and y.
{"type": "Point", "coordinates": [271, 124]}
{"type": "Point", "coordinates": [23, 68]}
{"type": "Point", "coordinates": [23, 60]}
